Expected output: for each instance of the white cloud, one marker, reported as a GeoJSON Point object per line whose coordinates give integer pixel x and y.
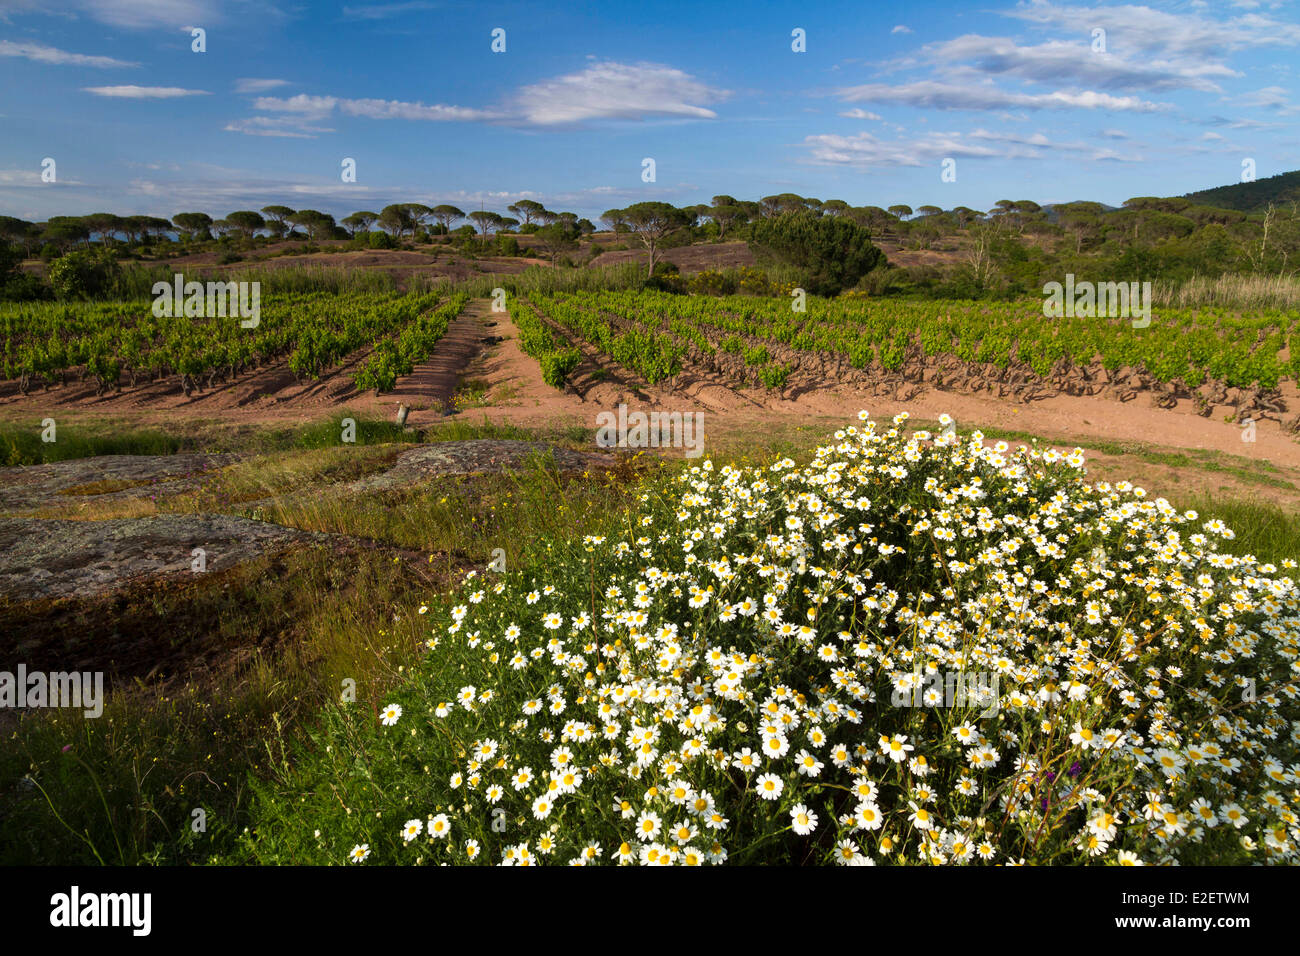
{"type": "Point", "coordinates": [144, 92]}
{"type": "Point", "coordinates": [20, 177]}
{"type": "Point", "coordinates": [1271, 98]}
{"type": "Point", "coordinates": [955, 96]}
{"type": "Point", "coordinates": [48, 54]}
{"type": "Point", "coordinates": [289, 127]}
{"type": "Point", "coordinates": [153, 14]}
{"type": "Point", "coordinates": [604, 90]}
{"type": "Point", "coordinates": [1109, 155]}
{"type": "Point", "coordinates": [608, 90]}
{"type": "Point", "coordinates": [856, 113]}
{"type": "Point", "coordinates": [1059, 62]}
{"type": "Point", "coordinates": [382, 11]}
{"type": "Point", "coordinates": [900, 29]}
{"type": "Point", "coordinates": [250, 85]}
{"type": "Point", "coordinates": [1237, 123]}
{"type": "Point", "coordinates": [318, 107]}
{"type": "Point", "coordinates": [865, 150]}
{"type": "Point", "coordinates": [1037, 139]}
{"type": "Point", "coordinates": [1142, 28]}
{"type": "Point", "coordinates": [397, 109]}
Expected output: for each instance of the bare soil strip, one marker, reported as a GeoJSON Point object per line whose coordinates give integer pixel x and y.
{"type": "Point", "coordinates": [432, 384]}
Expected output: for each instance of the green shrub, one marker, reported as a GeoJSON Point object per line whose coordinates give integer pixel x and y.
{"type": "Point", "coordinates": [84, 274]}
{"type": "Point", "coordinates": [556, 366]}
{"type": "Point", "coordinates": [774, 375]}
{"type": "Point", "coordinates": [830, 253]}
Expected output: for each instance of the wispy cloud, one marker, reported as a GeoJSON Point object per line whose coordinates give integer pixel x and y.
{"type": "Point", "coordinates": [250, 85]}
{"type": "Point", "coordinates": [1140, 27]}
{"type": "Point", "coordinates": [382, 11]}
{"type": "Point", "coordinates": [864, 150]}
{"type": "Point", "coordinates": [1269, 98]}
{"type": "Point", "coordinates": [287, 127]}
{"type": "Point", "coordinates": [319, 107]}
{"type": "Point", "coordinates": [31, 179]}
{"type": "Point", "coordinates": [144, 92]}
{"type": "Point", "coordinates": [48, 54]}
{"type": "Point", "coordinates": [901, 29]}
{"type": "Point", "coordinates": [132, 14]}
{"type": "Point", "coordinates": [150, 14]}
{"type": "Point", "coordinates": [1062, 62]}
{"type": "Point", "coordinates": [937, 95]}
{"type": "Point", "coordinates": [602, 91]}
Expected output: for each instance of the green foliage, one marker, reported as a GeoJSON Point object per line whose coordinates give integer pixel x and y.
{"type": "Point", "coordinates": [21, 445]}
{"type": "Point", "coordinates": [378, 239]}
{"type": "Point", "coordinates": [314, 330]}
{"type": "Point", "coordinates": [83, 274]}
{"type": "Point", "coordinates": [399, 354]}
{"type": "Point", "coordinates": [555, 357]}
{"type": "Point", "coordinates": [557, 365]}
{"type": "Point", "coordinates": [16, 285]}
{"type": "Point", "coordinates": [832, 253]}
{"type": "Point", "coordinates": [774, 374]}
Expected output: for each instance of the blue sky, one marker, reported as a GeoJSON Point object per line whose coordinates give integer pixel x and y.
{"type": "Point", "coordinates": [1022, 95]}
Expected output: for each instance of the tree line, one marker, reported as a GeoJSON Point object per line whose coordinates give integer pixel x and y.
{"type": "Point", "coordinates": [1004, 250]}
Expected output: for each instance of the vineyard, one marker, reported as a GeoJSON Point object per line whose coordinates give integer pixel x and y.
{"type": "Point", "coordinates": [124, 343]}
{"type": "Point", "coordinates": [889, 347]}
{"type": "Point", "coordinates": [1213, 356]}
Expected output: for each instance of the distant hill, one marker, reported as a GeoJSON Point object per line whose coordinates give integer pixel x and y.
{"type": "Point", "coordinates": [1254, 196]}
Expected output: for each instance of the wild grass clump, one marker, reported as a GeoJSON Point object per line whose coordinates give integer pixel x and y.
{"type": "Point", "coordinates": [1231, 290]}
{"type": "Point", "coordinates": [137, 282]}
{"type": "Point", "coordinates": [546, 280]}
{"type": "Point", "coordinates": [272, 641]}
{"type": "Point", "coordinates": [21, 445]}
{"type": "Point", "coordinates": [758, 665]}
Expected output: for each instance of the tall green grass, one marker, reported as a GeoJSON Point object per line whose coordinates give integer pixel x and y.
{"type": "Point", "coordinates": [23, 445]}
{"type": "Point", "coordinates": [545, 280]}
{"type": "Point", "coordinates": [123, 788]}
{"type": "Point", "coordinates": [1231, 290]}
{"type": "Point", "coordinates": [136, 282]}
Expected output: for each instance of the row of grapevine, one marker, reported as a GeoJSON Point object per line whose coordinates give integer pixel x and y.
{"type": "Point", "coordinates": [399, 354]}
{"type": "Point", "coordinates": [1186, 346]}
{"type": "Point", "coordinates": [556, 358]}
{"type": "Point", "coordinates": [640, 349]}
{"type": "Point", "coordinates": [108, 342]}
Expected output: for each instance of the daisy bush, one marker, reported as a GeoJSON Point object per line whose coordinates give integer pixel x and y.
{"type": "Point", "coordinates": [731, 679]}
